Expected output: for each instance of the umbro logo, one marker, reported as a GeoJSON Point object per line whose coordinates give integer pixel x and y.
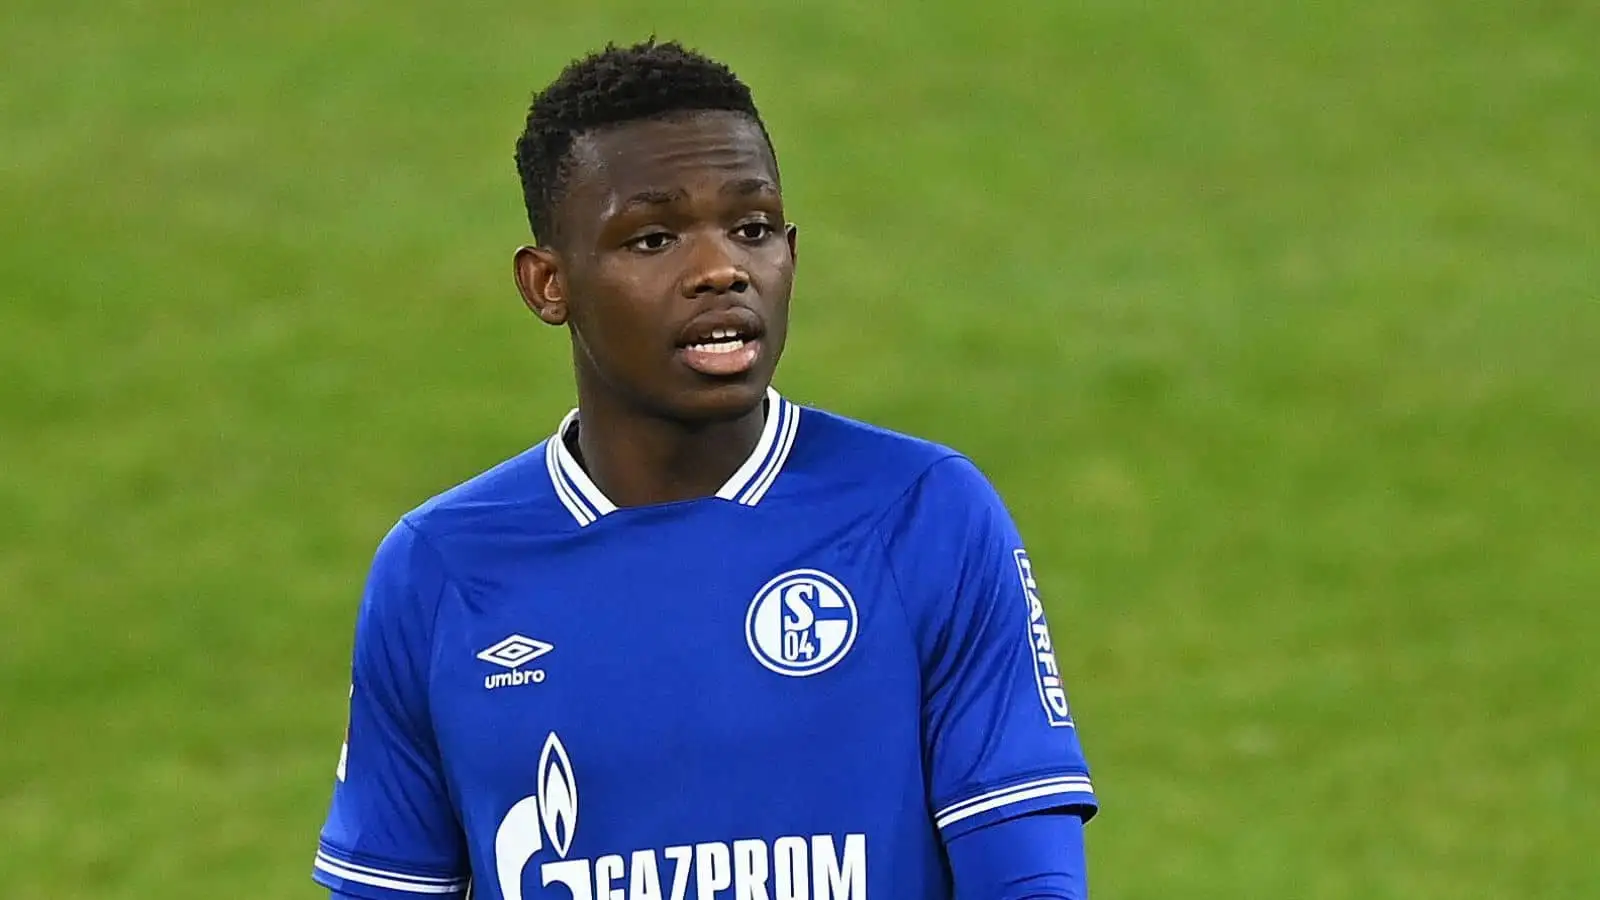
{"type": "Point", "coordinates": [513, 653]}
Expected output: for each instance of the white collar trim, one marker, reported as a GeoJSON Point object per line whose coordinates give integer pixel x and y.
{"type": "Point", "coordinates": [587, 503]}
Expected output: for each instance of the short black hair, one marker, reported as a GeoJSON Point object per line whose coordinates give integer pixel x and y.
{"type": "Point", "coordinates": [609, 87]}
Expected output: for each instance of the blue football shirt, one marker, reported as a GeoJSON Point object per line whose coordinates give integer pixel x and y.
{"type": "Point", "coordinates": [795, 689]}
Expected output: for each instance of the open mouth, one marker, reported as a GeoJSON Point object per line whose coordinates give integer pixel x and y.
{"type": "Point", "coordinates": [721, 340]}
{"type": "Point", "coordinates": [723, 344]}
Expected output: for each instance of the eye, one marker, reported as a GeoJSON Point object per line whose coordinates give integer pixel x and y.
{"type": "Point", "coordinates": [653, 242]}
{"type": "Point", "coordinates": [754, 232]}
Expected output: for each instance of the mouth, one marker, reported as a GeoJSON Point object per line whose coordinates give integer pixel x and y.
{"type": "Point", "coordinates": [722, 344]}
{"type": "Point", "coordinates": [721, 340]}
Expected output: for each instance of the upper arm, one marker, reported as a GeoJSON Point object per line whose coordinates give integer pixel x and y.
{"type": "Point", "coordinates": [999, 738]}
{"type": "Point", "coordinates": [391, 830]}
{"type": "Point", "coordinates": [1032, 857]}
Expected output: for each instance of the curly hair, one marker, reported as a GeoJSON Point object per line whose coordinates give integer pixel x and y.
{"type": "Point", "coordinates": [610, 87]}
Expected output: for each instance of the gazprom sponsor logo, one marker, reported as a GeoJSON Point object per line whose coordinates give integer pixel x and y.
{"type": "Point", "coordinates": [794, 867]}
{"type": "Point", "coordinates": [558, 795]}
{"type": "Point", "coordinates": [817, 867]}
{"type": "Point", "coordinates": [1052, 693]}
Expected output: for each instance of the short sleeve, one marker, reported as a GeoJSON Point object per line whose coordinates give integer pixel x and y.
{"type": "Point", "coordinates": [999, 739]}
{"type": "Point", "coordinates": [391, 831]}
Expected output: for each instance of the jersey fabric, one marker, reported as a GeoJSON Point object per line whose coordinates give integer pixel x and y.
{"type": "Point", "coordinates": [801, 687]}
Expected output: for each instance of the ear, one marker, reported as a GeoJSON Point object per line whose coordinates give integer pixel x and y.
{"type": "Point", "coordinates": [791, 232]}
{"type": "Point", "coordinates": [538, 272]}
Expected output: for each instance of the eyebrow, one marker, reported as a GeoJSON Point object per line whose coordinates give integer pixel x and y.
{"type": "Point", "coordinates": [746, 186]}
{"type": "Point", "coordinates": [742, 187]}
{"type": "Point", "coordinates": [652, 198]}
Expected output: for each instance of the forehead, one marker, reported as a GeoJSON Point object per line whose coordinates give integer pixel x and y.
{"type": "Point", "coordinates": [675, 153]}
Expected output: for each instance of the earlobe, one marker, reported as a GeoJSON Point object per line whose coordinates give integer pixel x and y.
{"type": "Point", "coordinates": [538, 274]}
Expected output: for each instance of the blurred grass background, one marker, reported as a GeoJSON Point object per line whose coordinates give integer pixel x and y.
{"type": "Point", "coordinates": [1278, 325]}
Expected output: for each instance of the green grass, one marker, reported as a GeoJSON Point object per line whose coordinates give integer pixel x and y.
{"type": "Point", "coordinates": [1278, 324]}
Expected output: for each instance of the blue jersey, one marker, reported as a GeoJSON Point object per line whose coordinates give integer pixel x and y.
{"type": "Point", "coordinates": [798, 688]}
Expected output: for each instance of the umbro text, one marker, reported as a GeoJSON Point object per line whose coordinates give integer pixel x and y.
{"type": "Point", "coordinates": [514, 678]}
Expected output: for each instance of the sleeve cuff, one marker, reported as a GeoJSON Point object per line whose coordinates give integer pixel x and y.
{"type": "Point", "coordinates": [373, 883]}
{"type": "Point", "coordinates": [1036, 795]}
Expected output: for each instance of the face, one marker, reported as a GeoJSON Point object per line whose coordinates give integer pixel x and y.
{"type": "Point", "coordinates": [673, 266]}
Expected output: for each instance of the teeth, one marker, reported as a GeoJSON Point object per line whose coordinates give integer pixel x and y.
{"type": "Point", "coordinates": [718, 346]}
{"type": "Point", "coordinates": [721, 340]}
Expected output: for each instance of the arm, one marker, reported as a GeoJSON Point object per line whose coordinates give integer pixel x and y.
{"type": "Point", "coordinates": [1005, 763]}
{"type": "Point", "coordinates": [391, 831]}
{"type": "Point", "coordinates": [1035, 857]}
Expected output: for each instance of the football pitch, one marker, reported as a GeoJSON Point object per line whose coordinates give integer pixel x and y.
{"type": "Point", "coordinates": [1278, 325]}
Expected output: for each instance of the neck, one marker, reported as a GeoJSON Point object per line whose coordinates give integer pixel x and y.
{"type": "Point", "coordinates": [637, 459]}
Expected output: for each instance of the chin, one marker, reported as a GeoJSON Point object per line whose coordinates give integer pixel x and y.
{"type": "Point", "coordinates": [721, 402]}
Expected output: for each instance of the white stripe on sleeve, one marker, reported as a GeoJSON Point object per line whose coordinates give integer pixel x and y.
{"type": "Point", "coordinates": [1017, 793]}
{"type": "Point", "coordinates": [397, 881]}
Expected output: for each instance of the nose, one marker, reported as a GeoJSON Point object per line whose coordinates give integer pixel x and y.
{"type": "Point", "coordinates": [714, 270]}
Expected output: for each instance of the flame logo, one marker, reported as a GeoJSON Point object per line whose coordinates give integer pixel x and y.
{"type": "Point", "coordinates": [554, 807]}
{"type": "Point", "coordinates": [558, 795]}
{"type": "Point", "coordinates": [515, 843]}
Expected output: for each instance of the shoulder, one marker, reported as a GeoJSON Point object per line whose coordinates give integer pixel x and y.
{"type": "Point", "coordinates": [512, 496]}
{"type": "Point", "coordinates": [944, 532]}
{"type": "Point", "coordinates": [900, 469]}
{"type": "Point", "coordinates": [428, 548]}
{"type": "Point", "coordinates": [849, 450]}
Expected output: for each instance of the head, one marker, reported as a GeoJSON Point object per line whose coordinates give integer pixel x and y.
{"type": "Point", "coordinates": [660, 240]}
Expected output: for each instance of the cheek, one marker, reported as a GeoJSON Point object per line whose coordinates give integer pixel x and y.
{"type": "Point", "coordinates": [615, 323]}
{"type": "Point", "coordinates": [777, 285]}
{"type": "Point", "coordinates": [775, 261]}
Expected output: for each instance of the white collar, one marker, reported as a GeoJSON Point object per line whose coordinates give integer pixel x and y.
{"type": "Point", "coordinates": [747, 486]}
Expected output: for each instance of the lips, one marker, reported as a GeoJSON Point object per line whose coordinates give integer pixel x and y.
{"type": "Point", "coordinates": [722, 342]}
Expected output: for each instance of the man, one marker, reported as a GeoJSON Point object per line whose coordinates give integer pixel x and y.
{"type": "Point", "coordinates": [701, 642]}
